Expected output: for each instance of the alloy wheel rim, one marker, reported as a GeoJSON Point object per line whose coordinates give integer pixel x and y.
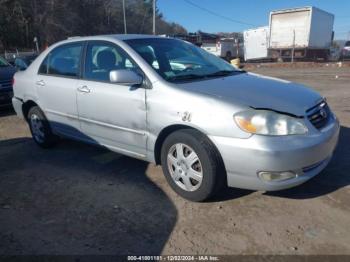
{"type": "Point", "coordinates": [185, 167]}
{"type": "Point", "coordinates": [37, 128]}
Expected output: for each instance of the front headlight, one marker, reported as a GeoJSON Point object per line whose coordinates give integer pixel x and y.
{"type": "Point", "coordinates": [264, 122]}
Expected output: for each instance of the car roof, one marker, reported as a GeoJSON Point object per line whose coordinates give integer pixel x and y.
{"type": "Point", "coordinates": [115, 36]}
{"type": "Point", "coordinates": [119, 37]}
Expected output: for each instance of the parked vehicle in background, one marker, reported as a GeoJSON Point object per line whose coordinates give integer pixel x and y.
{"type": "Point", "coordinates": [226, 48]}
{"type": "Point", "coordinates": [334, 54]}
{"type": "Point", "coordinates": [193, 38]}
{"type": "Point", "coordinates": [305, 33]}
{"type": "Point", "coordinates": [6, 75]}
{"type": "Point", "coordinates": [345, 52]}
{"type": "Point", "coordinates": [169, 102]}
{"type": "Point", "coordinates": [22, 62]}
{"type": "Point", "coordinates": [256, 43]}
{"type": "Point", "coordinates": [11, 56]}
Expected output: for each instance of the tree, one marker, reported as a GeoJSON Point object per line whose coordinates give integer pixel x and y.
{"type": "Point", "coordinates": [54, 20]}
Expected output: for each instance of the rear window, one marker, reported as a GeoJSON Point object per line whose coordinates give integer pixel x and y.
{"type": "Point", "coordinates": [347, 43]}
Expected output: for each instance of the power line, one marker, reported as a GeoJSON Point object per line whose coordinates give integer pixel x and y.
{"type": "Point", "coordinates": [218, 15]}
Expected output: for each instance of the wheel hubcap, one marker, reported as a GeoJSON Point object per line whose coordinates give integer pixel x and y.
{"type": "Point", "coordinates": [37, 128]}
{"type": "Point", "coordinates": [185, 167]}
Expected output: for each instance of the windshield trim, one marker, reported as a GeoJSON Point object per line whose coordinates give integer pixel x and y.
{"type": "Point", "coordinates": [207, 77]}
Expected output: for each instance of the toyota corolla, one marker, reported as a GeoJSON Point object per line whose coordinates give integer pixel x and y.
{"type": "Point", "coordinates": [169, 102]}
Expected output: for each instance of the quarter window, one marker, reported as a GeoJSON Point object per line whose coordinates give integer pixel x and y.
{"type": "Point", "coordinates": [102, 58]}
{"type": "Point", "coordinates": [63, 61]}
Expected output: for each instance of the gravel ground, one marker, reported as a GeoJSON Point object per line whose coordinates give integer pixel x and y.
{"type": "Point", "coordinates": [79, 199]}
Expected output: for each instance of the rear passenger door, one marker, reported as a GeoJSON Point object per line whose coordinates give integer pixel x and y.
{"type": "Point", "coordinates": [56, 85]}
{"type": "Point", "coordinates": [113, 115]}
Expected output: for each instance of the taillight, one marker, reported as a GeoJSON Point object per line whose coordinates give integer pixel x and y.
{"type": "Point", "coordinates": [13, 81]}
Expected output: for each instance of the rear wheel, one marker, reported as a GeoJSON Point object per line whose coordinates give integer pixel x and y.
{"type": "Point", "coordinates": [40, 128]}
{"type": "Point", "coordinates": [191, 165]}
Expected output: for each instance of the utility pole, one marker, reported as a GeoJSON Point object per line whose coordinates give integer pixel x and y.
{"type": "Point", "coordinates": [154, 17]}
{"type": "Point", "coordinates": [293, 46]}
{"type": "Point", "coordinates": [35, 40]}
{"type": "Point", "coordinates": [125, 31]}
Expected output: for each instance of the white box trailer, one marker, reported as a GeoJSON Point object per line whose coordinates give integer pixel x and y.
{"type": "Point", "coordinates": [227, 48]}
{"type": "Point", "coordinates": [305, 32]}
{"type": "Point", "coordinates": [256, 42]}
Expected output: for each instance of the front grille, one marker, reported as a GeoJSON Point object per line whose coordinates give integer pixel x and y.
{"type": "Point", "coordinates": [319, 115]}
{"type": "Point", "coordinates": [5, 84]}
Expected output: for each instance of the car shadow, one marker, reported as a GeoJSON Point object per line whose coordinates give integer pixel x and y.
{"type": "Point", "coordinates": [229, 193]}
{"type": "Point", "coordinates": [335, 176]}
{"type": "Point", "coordinates": [79, 199]}
{"type": "Point", "coordinates": [6, 111]}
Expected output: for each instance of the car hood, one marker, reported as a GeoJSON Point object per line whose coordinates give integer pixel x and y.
{"type": "Point", "coordinates": [260, 92]}
{"type": "Point", "coordinates": [7, 72]}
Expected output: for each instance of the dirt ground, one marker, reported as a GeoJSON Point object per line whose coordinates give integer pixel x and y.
{"type": "Point", "coordinates": [79, 199]}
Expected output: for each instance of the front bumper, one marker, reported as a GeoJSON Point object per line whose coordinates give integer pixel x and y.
{"type": "Point", "coordinates": [305, 155]}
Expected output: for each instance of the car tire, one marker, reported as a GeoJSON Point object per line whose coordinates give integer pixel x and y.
{"type": "Point", "coordinates": [182, 170]}
{"type": "Point", "coordinates": [40, 128]}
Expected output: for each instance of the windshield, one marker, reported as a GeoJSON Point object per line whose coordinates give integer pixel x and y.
{"type": "Point", "coordinates": [177, 61]}
{"type": "Point", "coordinates": [3, 62]}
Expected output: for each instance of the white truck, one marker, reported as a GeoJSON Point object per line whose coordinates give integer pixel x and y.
{"type": "Point", "coordinates": [296, 33]}
{"type": "Point", "coordinates": [256, 43]}
{"type": "Point", "coordinates": [227, 48]}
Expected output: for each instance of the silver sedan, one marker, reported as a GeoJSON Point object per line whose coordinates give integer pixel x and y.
{"type": "Point", "coordinates": [169, 102]}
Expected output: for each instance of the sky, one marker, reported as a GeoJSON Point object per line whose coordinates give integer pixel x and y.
{"type": "Point", "coordinates": [252, 12]}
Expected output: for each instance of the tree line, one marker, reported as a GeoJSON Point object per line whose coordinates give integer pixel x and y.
{"type": "Point", "coordinates": [54, 20]}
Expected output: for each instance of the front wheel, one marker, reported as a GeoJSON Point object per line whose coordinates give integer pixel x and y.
{"type": "Point", "coordinates": [40, 128]}
{"type": "Point", "coordinates": [191, 165]}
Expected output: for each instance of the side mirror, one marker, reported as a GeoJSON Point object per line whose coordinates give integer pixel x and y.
{"type": "Point", "coordinates": [125, 77]}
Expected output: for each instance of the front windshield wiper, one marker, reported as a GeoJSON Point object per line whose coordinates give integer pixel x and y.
{"type": "Point", "coordinates": [225, 73]}
{"type": "Point", "coordinates": [195, 76]}
{"type": "Point", "coordinates": [186, 77]}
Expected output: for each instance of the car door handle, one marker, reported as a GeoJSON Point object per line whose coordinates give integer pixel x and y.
{"type": "Point", "coordinates": [40, 83]}
{"type": "Point", "coordinates": [84, 89]}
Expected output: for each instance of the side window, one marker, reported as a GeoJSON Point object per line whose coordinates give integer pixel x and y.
{"type": "Point", "coordinates": [63, 61]}
{"type": "Point", "coordinates": [102, 58]}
